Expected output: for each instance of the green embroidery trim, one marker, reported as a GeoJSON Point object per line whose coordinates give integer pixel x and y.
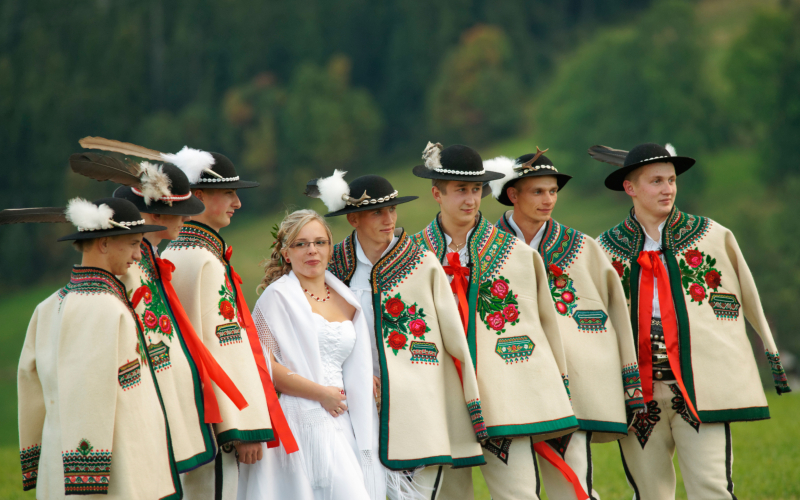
{"type": "Point", "coordinates": [515, 349]}
{"type": "Point", "coordinates": [476, 415]}
{"type": "Point", "coordinates": [197, 235]}
{"type": "Point", "coordinates": [86, 471]}
{"type": "Point", "coordinates": [557, 425]}
{"type": "Point", "coordinates": [343, 259]}
{"type": "Point", "coordinates": [29, 459]}
{"type": "Point", "coordinates": [251, 436]}
{"type": "Point", "coordinates": [91, 280]}
{"type": "Point", "coordinates": [632, 385]}
{"type": "Point", "coordinates": [602, 426]}
{"type": "Point", "coordinates": [778, 373]}
{"type": "Point", "coordinates": [560, 245]}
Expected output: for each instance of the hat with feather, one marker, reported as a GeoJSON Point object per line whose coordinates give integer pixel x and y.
{"type": "Point", "coordinates": [203, 169]}
{"type": "Point", "coordinates": [641, 155]}
{"type": "Point", "coordinates": [152, 188]}
{"type": "Point", "coordinates": [337, 194]}
{"type": "Point", "coordinates": [453, 163]}
{"type": "Point", "coordinates": [529, 165]}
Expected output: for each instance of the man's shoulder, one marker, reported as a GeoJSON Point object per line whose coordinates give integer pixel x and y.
{"type": "Point", "coordinates": [686, 230]}
{"type": "Point", "coordinates": [619, 241]}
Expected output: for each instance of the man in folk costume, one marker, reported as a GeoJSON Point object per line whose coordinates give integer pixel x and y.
{"type": "Point", "coordinates": [687, 283]}
{"type": "Point", "coordinates": [91, 415]}
{"type": "Point", "coordinates": [511, 328]}
{"type": "Point", "coordinates": [428, 417]}
{"type": "Point", "coordinates": [591, 309]}
{"type": "Point", "coordinates": [184, 366]}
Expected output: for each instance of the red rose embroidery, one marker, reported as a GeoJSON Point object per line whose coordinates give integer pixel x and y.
{"type": "Point", "coordinates": [619, 267]}
{"type": "Point", "coordinates": [150, 319]}
{"type": "Point", "coordinates": [412, 310]}
{"type": "Point", "coordinates": [561, 307]}
{"type": "Point", "coordinates": [511, 313]}
{"type": "Point", "coordinates": [395, 307]}
{"type": "Point", "coordinates": [417, 327]}
{"type": "Point", "coordinates": [713, 279]}
{"type": "Point", "coordinates": [560, 282]}
{"type": "Point", "coordinates": [697, 292]}
{"type": "Point", "coordinates": [500, 290]}
{"type": "Point", "coordinates": [226, 310]}
{"type": "Point", "coordinates": [567, 297]}
{"type": "Point", "coordinates": [556, 270]}
{"type": "Point", "coordinates": [496, 321]}
{"type": "Point", "coordinates": [164, 324]}
{"type": "Point", "coordinates": [693, 258]}
{"type": "Point", "coordinates": [397, 340]}
{"type": "Point", "coordinates": [147, 295]}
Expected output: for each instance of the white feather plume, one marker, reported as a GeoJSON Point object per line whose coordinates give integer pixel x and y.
{"type": "Point", "coordinates": [432, 154]}
{"type": "Point", "coordinates": [671, 149]}
{"type": "Point", "coordinates": [192, 161]}
{"type": "Point", "coordinates": [87, 216]}
{"type": "Point", "coordinates": [502, 165]}
{"type": "Point", "coordinates": [331, 190]}
{"type": "Point", "coordinates": [155, 183]}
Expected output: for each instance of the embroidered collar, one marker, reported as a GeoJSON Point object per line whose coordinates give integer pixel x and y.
{"type": "Point", "coordinates": [148, 262]}
{"type": "Point", "coordinates": [560, 244]}
{"type": "Point", "coordinates": [197, 235]}
{"type": "Point", "coordinates": [396, 265]}
{"type": "Point", "coordinates": [92, 280]}
{"type": "Point", "coordinates": [343, 259]}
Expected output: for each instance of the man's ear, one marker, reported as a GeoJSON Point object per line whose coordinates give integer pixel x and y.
{"type": "Point", "coordinates": [511, 192]}
{"type": "Point", "coordinates": [437, 194]}
{"type": "Point", "coordinates": [102, 245]}
{"type": "Point", "coordinates": [628, 186]}
{"type": "Point", "coordinates": [199, 194]}
{"type": "Point", "coordinates": [352, 218]}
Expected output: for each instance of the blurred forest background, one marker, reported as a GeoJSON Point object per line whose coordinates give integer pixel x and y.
{"type": "Point", "coordinates": [291, 90]}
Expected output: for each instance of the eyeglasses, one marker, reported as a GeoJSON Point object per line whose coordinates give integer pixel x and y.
{"type": "Point", "coordinates": [304, 244]}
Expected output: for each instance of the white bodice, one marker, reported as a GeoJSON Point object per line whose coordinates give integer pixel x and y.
{"type": "Point", "coordinates": [336, 342]}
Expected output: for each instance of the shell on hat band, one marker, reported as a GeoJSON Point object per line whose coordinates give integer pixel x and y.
{"type": "Point", "coordinates": [218, 179]}
{"type": "Point", "coordinates": [367, 200]}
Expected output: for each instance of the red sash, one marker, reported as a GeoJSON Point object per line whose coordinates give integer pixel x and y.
{"type": "Point", "coordinates": [459, 287]}
{"type": "Point", "coordinates": [280, 426]}
{"type": "Point", "coordinates": [551, 456]}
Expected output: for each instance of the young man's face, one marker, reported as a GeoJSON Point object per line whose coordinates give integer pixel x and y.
{"type": "Point", "coordinates": [653, 189]}
{"type": "Point", "coordinates": [375, 226]}
{"type": "Point", "coordinates": [173, 224]}
{"type": "Point", "coordinates": [220, 206]}
{"type": "Point", "coordinates": [460, 200]}
{"type": "Point", "coordinates": [121, 252]}
{"type": "Point", "coordinates": [534, 197]}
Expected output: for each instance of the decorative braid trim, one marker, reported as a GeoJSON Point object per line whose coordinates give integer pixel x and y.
{"type": "Point", "coordinates": [197, 235]}
{"type": "Point", "coordinates": [432, 238]}
{"type": "Point", "coordinates": [29, 458]}
{"type": "Point", "coordinates": [476, 415]}
{"type": "Point", "coordinates": [343, 259]}
{"type": "Point", "coordinates": [778, 373]}
{"type": "Point", "coordinates": [397, 265]}
{"type": "Point", "coordinates": [503, 224]}
{"type": "Point", "coordinates": [90, 280]}
{"type": "Point", "coordinates": [560, 245]}
{"type": "Point", "coordinates": [489, 248]}
{"type": "Point", "coordinates": [632, 385]}
{"type": "Point", "coordinates": [86, 471]}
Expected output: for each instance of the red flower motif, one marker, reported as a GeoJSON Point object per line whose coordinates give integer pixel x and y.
{"type": "Point", "coordinates": [147, 295]}
{"type": "Point", "coordinates": [397, 340]}
{"type": "Point", "coordinates": [417, 327]}
{"type": "Point", "coordinates": [500, 289]}
{"type": "Point", "coordinates": [556, 270]}
{"type": "Point", "coordinates": [713, 279]}
{"type": "Point", "coordinates": [496, 321]}
{"type": "Point", "coordinates": [561, 282]}
{"type": "Point", "coordinates": [619, 267]}
{"type": "Point", "coordinates": [511, 313]}
{"type": "Point", "coordinates": [567, 297]}
{"type": "Point", "coordinates": [164, 324]}
{"type": "Point", "coordinates": [226, 310]}
{"type": "Point", "coordinates": [697, 292]}
{"type": "Point", "coordinates": [395, 307]}
{"type": "Point", "coordinates": [412, 310]}
{"type": "Point", "coordinates": [150, 319]}
{"type": "Point", "coordinates": [693, 257]}
{"type": "Point", "coordinates": [561, 307]}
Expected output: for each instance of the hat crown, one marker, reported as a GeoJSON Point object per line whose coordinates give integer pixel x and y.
{"type": "Point", "coordinates": [374, 185]}
{"type": "Point", "coordinates": [645, 152]}
{"type": "Point", "coordinates": [459, 158]}
{"type": "Point", "coordinates": [124, 210]}
{"type": "Point", "coordinates": [542, 160]}
{"type": "Point", "coordinates": [222, 166]}
{"type": "Point", "coordinates": [179, 183]}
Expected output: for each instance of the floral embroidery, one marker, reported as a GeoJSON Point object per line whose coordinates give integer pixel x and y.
{"type": "Point", "coordinates": [679, 405]}
{"type": "Point", "coordinates": [86, 470]}
{"type": "Point", "coordinates": [562, 288]}
{"type": "Point", "coordinates": [29, 458]}
{"type": "Point", "coordinates": [624, 272]}
{"type": "Point", "coordinates": [226, 301]}
{"type": "Point", "coordinates": [156, 315]}
{"type": "Point", "coordinates": [698, 274]}
{"type": "Point", "coordinates": [399, 321]}
{"type": "Point", "coordinates": [644, 422]}
{"type": "Point", "coordinates": [497, 304]}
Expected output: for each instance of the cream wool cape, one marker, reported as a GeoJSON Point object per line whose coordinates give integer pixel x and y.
{"type": "Point", "coordinates": [427, 418]}
{"type": "Point", "coordinates": [711, 284]}
{"type": "Point", "coordinates": [202, 279]}
{"type": "Point", "coordinates": [595, 329]}
{"type": "Point", "coordinates": [176, 371]}
{"type": "Point", "coordinates": [91, 419]}
{"type": "Point", "coordinates": [512, 335]}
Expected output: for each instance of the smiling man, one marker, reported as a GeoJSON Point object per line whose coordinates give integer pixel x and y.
{"type": "Point", "coordinates": [591, 309]}
{"type": "Point", "coordinates": [427, 416]}
{"type": "Point", "coordinates": [511, 328]}
{"type": "Point", "coordinates": [688, 284]}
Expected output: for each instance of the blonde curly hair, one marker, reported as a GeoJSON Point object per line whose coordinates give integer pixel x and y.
{"type": "Point", "coordinates": [291, 225]}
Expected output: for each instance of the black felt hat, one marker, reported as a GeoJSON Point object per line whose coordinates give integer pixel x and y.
{"type": "Point", "coordinates": [453, 163]}
{"type": "Point", "coordinates": [178, 201]}
{"type": "Point", "coordinates": [105, 217]}
{"type": "Point", "coordinates": [641, 155]}
{"type": "Point", "coordinates": [373, 192]}
{"type": "Point", "coordinates": [529, 165]}
{"type": "Point", "coordinates": [207, 170]}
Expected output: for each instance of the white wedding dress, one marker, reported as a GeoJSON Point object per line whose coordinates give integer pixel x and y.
{"type": "Point", "coordinates": [276, 477]}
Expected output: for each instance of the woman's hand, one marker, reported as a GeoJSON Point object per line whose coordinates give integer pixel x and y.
{"type": "Point", "coordinates": [376, 386]}
{"type": "Point", "coordinates": [332, 400]}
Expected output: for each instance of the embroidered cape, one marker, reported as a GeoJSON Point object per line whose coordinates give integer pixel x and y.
{"type": "Point", "coordinates": [426, 416]}
{"type": "Point", "coordinates": [176, 371]}
{"type": "Point", "coordinates": [595, 328]}
{"type": "Point", "coordinates": [88, 396]}
{"type": "Point", "coordinates": [512, 335]}
{"type": "Point", "coordinates": [711, 286]}
{"type": "Point", "coordinates": [204, 284]}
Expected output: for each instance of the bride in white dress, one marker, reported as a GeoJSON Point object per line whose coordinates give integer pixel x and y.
{"type": "Point", "coordinates": [315, 334]}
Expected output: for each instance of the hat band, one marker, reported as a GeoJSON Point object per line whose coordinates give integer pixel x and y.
{"type": "Point", "coordinates": [170, 198]}
{"type": "Point", "coordinates": [654, 158]}
{"type": "Point", "coordinates": [520, 173]}
{"type": "Point", "coordinates": [221, 179]}
{"type": "Point", "coordinates": [373, 201]}
{"type": "Point", "coordinates": [459, 172]}
{"type": "Point", "coordinates": [123, 223]}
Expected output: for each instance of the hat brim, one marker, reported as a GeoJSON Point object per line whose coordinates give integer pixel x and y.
{"type": "Point", "coordinates": [427, 173]}
{"type": "Point", "coordinates": [225, 185]}
{"type": "Point", "coordinates": [561, 180]}
{"type": "Point", "coordinates": [103, 233]}
{"type": "Point", "coordinates": [192, 206]}
{"type": "Point", "coordinates": [350, 209]}
{"type": "Point", "coordinates": [615, 179]}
